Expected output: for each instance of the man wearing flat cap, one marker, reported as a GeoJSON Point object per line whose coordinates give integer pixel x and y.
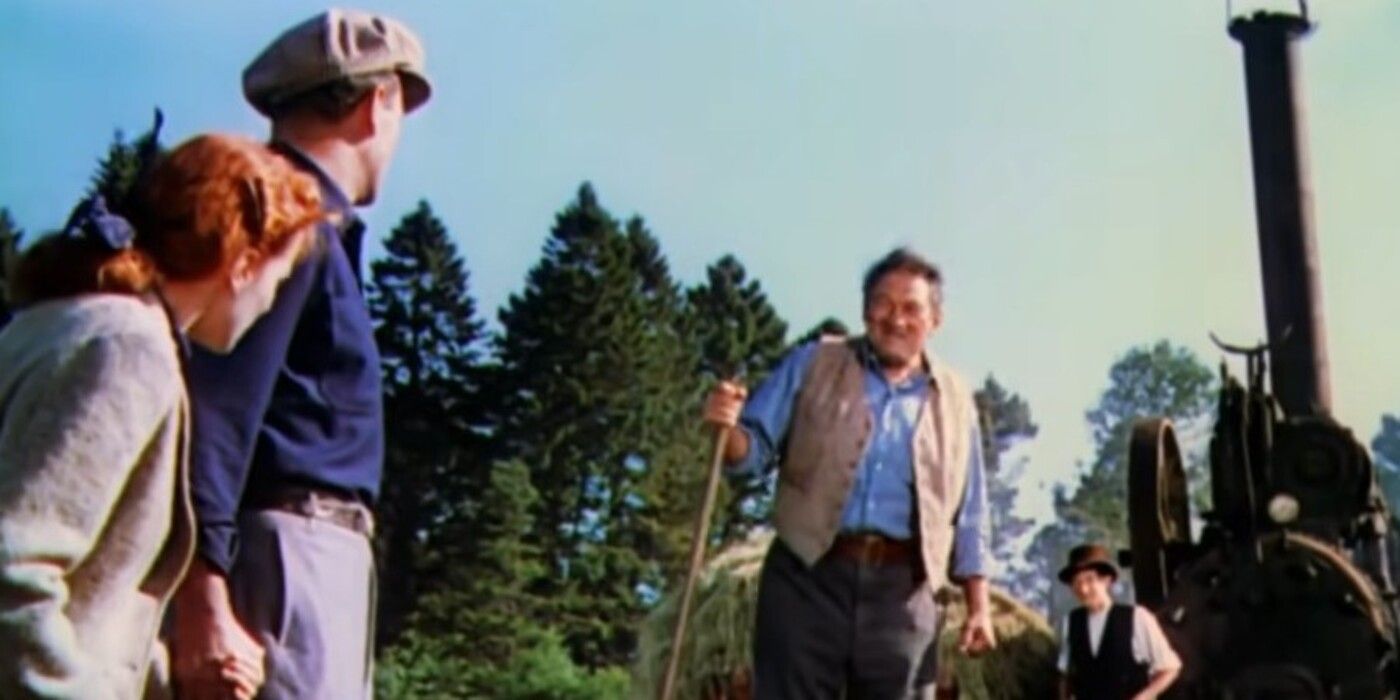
{"type": "Point", "coordinates": [288, 444]}
{"type": "Point", "coordinates": [1109, 651]}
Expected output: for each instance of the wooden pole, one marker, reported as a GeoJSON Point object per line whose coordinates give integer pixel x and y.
{"type": "Point", "coordinates": [699, 535]}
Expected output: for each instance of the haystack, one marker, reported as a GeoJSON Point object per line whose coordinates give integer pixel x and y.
{"type": "Point", "coordinates": [716, 657]}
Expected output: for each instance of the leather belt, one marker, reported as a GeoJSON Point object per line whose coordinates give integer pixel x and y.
{"type": "Point", "coordinates": [318, 504]}
{"type": "Point", "coordinates": [874, 549]}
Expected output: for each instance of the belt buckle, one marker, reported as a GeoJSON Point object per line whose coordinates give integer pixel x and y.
{"type": "Point", "coordinates": [318, 507]}
{"type": "Point", "coordinates": [872, 549]}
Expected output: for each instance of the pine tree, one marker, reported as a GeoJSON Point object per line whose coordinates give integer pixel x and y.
{"type": "Point", "coordinates": [1386, 450]}
{"type": "Point", "coordinates": [827, 327]}
{"type": "Point", "coordinates": [1160, 380]}
{"type": "Point", "coordinates": [429, 337]}
{"type": "Point", "coordinates": [1006, 421]}
{"type": "Point", "coordinates": [10, 238]}
{"type": "Point", "coordinates": [596, 393]}
{"type": "Point", "coordinates": [118, 169]}
{"type": "Point", "coordinates": [478, 634]}
{"type": "Point", "coordinates": [486, 601]}
{"type": "Point", "coordinates": [737, 330]}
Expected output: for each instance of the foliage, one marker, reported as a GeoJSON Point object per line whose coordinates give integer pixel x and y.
{"type": "Point", "coordinates": [1006, 422]}
{"type": "Point", "coordinates": [739, 333]}
{"type": "Point", "coordinates": [429, 342]}
{"type": "Point", "coordinates": [1157, 380]}
{"type": "Point", "coordinates": [1385, 448]}
{"type": "Point", "coordinates": [119, 168]}
{"type": "Point", "coordinates": [424, 668]}
{"type": "Point", "coordinates": [596, 392]}
{"type": "Point", "coordinates": [829, 326]}
{"type": "Point", "coordinates": [10, 239]}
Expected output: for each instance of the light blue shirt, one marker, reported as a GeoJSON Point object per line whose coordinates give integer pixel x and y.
{"type": "Point", "coordinates": [882, 497]}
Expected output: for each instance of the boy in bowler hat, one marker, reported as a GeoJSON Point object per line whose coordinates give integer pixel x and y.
{"type": "Point", "coordinates": [1109, 650]}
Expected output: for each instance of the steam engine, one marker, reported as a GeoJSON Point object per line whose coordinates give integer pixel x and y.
{"type": "Point", "coordinates": [1287, 593]}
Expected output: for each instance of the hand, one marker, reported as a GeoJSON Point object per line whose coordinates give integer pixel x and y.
{"type": "Point", "coordinates": [212, 656]}
{"type": "Point", "coordinates": [978, 636]}
{"type": "Point", "coordinates": [725, 402]}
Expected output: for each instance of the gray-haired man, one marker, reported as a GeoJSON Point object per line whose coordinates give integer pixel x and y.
{"type": "Point", "coordinates": [881, 497]}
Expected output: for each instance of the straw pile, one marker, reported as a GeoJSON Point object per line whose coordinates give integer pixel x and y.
{"type": "Point", "coordinates": [716, 655]}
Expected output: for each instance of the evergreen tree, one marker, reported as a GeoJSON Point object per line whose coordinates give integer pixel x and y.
{"type": "Point", "coordinates": [829, 326]}
{"type": "Point", "coordinates": [1160, 380]}
{"type": "Point", "coordinates": [737, 330]}
{"type": "Point", "coordinates": [10, 238]}
{"type": "Point", "coordinates": [118, 169]}
{"type": "Point", "coordinates": [596, 393]}
{"type": "Point", "coordinates": [1385, 448]}
{"type": "Point", "coordinates": [428, 336]}
{"type": "Point", "coordinates": [1006, 422]}
{"type": "Point", "coordinates": [476, 636]}
{"type": "Point", "coordinates": [736, 326]}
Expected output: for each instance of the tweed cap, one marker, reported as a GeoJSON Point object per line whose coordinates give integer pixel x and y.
{"type": "Point", "coordinates": [336, 44]}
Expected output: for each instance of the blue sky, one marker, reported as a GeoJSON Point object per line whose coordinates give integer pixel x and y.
{"type": "Point", "coordinates": [1080, 169]}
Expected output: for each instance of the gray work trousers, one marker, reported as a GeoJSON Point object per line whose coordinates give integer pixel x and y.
{"type": "Point", "coordinates": [839, 628]}
{"type": "Point", "coordinates": [305, 589]}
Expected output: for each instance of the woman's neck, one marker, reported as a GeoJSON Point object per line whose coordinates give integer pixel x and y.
{"type": "Point", "coordinates": [186, 301]}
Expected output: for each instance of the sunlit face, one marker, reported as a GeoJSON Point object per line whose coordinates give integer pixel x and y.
{"type": "Point", "coordinates": [249, 286]}
{"type": "Point", "coordinates": [1091, 588]}
{"type": "Point", "coordinates": [900, 316]}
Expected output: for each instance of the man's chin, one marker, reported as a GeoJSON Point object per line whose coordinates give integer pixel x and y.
{"type": "Point", "coordinates": [894, 359]}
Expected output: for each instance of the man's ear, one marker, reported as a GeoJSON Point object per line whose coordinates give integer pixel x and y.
{"type": "Point", "coordinates": [377, 103]}
{"type": "Point", "coordinates": [244, 268]}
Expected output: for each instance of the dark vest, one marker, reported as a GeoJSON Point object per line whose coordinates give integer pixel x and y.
{"type": "Point", "coordinates": [1113, 674]}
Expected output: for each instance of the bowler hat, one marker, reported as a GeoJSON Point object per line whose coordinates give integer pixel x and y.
{"type": "Point", "coordinates": [335, 45]}
{"type": "Point", "coordinates": [1088, 556]}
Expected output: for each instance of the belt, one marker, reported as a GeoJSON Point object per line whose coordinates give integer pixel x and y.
{"type": "Point", "coordinates": [317, 504]}
{"type": "Point", "coordinates": [874, 549]}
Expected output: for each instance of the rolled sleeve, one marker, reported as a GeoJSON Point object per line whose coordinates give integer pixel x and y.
{"type": "Point", "coordinates": [768, 412]}
{"type": "Point", "coordinates": [972, 532]}
{"type": "Point", "coordinates": [1150, 644]}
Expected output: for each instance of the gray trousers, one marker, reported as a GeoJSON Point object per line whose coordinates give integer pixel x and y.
{"type": "Point", "coordinates": [305, 589]}
{"type": "Point", "coordinates": [839, 629]}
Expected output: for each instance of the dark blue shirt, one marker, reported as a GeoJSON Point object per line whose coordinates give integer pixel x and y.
{"type": "Point", "coordinates": [298, 402]}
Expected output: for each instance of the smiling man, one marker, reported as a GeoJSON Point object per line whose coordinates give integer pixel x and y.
{"type": "Point", "coordinates": [881, 497]}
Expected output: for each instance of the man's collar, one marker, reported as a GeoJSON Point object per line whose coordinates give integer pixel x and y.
{"type": "Point", "coordinates": [865, 352]}
{"type": "Point", "coordinates": [333, 199]}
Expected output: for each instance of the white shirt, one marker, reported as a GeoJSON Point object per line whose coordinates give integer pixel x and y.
{"type": "Point", "coordinates": [1150, 645]}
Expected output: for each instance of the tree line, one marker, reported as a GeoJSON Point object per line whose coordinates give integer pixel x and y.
{"type": "Point", "coordinates": [541, 476]}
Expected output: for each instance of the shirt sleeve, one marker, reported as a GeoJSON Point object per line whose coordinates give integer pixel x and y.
{"type": "Point", "coordinates": [1062, 659]}
{"type": "Point", "coordinates": [1150, 645]}
{"type": "Point", "coordinates": [68, 453]}
{"type": "Point", "coordinates": [768, 412]}
{"type": "Point", "coordinates": [971, 534]}
{"type": "Point", "coordinates": [229, 396]}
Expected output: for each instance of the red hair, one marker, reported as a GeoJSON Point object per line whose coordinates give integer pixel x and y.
{"type": "Point", "coordinates": [204, 203]}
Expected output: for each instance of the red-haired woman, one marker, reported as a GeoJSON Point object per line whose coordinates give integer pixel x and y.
{"type": "Point", "coordinates": [95, 519]}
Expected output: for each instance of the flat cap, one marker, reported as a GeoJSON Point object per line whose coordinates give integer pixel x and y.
{"type": "Point", "coordinates": [336, 44]}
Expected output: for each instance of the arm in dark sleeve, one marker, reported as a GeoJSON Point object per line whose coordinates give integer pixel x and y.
{"type": "Point", "coordinates": [229, 396]}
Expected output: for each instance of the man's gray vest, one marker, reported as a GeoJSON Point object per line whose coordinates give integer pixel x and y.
{"type": "Point", "coordinates": [826, 439]}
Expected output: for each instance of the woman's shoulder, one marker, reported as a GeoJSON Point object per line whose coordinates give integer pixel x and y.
{"type": "Point", "coordinates": [97, 337]}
